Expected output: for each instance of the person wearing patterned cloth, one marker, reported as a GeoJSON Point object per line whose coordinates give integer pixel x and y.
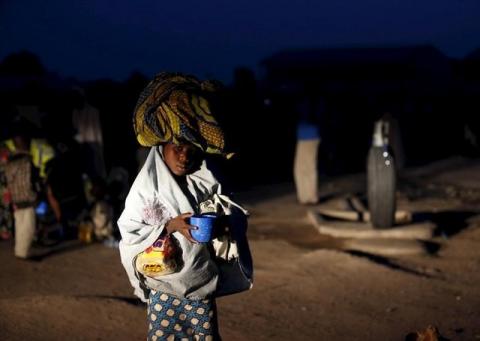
{"type": "Point", "coordinates": [173, 116]}
{"type": "Point", "coordinates": [183, 318]}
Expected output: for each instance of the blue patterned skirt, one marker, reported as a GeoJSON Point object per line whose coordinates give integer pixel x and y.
{"type": "Point", "coordinates": [172, 318]}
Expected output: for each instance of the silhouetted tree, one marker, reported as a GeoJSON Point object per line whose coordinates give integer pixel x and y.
{"type": "Point", "coordinates": [23, 63]}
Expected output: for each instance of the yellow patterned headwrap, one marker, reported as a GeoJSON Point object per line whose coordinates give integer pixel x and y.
{"type": "Point", "coordinates": [176, 107]}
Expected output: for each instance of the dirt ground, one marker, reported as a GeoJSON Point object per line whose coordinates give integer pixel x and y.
{"type": "Point", "coordinates": [307, 286]}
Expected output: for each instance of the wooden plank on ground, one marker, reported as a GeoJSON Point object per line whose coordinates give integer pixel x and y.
{"type": "Point", "coordinates": [386, 247]}
{"type": "Point", "coordinates": [363, 230]}
{"type": "Point", "coordinates": [401, 217]}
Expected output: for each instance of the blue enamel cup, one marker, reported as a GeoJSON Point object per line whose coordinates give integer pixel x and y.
{"type": "Point", "coordinates": [205, 224]}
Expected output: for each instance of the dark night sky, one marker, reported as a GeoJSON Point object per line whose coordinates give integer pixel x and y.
{"type": "Point", "coordinates": [93, 38]}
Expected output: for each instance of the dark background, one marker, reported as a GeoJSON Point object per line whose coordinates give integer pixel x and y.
{"type": "Point", "coordinates": [103, 39]}
{"type": "Point", "coordinates": [417, 60]}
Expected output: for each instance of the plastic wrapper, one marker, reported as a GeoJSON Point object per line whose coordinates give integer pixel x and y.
{"type": "Point", "coordinates": [159, 259]}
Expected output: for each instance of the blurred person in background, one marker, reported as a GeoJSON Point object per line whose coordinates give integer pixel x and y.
{"type": "Point", "coordinates": [87, 124]}
{"type": "Point", "coordinates": [64, 187]}
{"type": "Point", "coordinates": [6, 213]}
{"type": "Point", "coordinates": [24, 186]}
{"type": "Point", "coordinates": [305, 169]}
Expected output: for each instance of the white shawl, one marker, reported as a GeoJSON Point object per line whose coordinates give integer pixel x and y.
{"type": "Point", "coordinates": [154, 198]}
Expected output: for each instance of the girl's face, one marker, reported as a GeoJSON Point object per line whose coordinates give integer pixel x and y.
{"type": "Point", "coordinates": [182, 158]}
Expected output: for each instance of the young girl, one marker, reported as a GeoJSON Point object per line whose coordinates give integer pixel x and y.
{"type": "Point", "coordinates": [173, 116]}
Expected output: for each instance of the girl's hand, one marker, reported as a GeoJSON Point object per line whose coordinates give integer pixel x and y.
{"type": "Point", "coordinates": [179, 224]}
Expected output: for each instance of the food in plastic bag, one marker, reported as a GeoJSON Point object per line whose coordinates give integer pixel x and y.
{"type": "Point", "coordinates": [158, 259]}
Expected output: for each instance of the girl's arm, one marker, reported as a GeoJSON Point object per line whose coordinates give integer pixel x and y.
{"type": "Point", "coordinates": [179, 224]}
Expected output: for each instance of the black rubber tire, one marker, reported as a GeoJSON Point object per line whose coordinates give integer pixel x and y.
{"type": "Point", "coordinates": [381, 187]}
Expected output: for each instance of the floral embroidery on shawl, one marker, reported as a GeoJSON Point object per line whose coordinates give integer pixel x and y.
{"type": "Point", "coordinates": [155, 213]}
